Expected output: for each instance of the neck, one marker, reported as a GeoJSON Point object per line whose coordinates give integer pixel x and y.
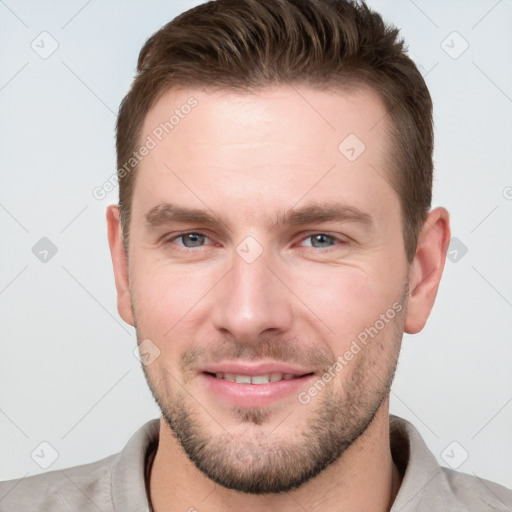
{"type": "Point", "coordinates": [363, 478]}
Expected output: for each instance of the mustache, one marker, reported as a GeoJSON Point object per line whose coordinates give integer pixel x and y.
{"type": "Point", "coordinates": [285, 350]}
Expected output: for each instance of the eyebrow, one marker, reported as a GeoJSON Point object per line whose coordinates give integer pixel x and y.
{"type": "Point", "coordinates": [325, 212]}
{"type": "Point", "coordinates": [167, 213]}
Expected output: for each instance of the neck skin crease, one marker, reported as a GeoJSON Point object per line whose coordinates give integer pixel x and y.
{"type": "Point", "coordinates": [363, 478]}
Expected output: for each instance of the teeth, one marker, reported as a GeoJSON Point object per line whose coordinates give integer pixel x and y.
{"type": "Point", "coordinates": [256, 379]}
{"type": "Point", "coordinates": [260, 379]}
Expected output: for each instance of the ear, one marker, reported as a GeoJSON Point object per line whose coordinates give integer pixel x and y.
{"type": "Point", "coordinates": [427, 268]}
{"type": "Point", "coordinates": [120, 264]}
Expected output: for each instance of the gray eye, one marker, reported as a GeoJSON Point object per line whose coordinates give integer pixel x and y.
{"type": "Point", "coordinates": [192, 239]}
{"type": "Point", "coordinates": [321, 240]}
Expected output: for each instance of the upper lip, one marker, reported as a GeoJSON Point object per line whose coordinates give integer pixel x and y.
{"type": "Point", "coordinates": [252, 369]}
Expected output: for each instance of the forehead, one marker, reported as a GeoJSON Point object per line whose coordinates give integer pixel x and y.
{"type": "Point", "coordinates": [267, 148]}
{"type": "Point", "coordinates": [269, 116]}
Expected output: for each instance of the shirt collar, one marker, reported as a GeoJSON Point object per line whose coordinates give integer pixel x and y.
{"type": "Point", "coordinates": [419, 468]}
{"type": "Point", "coordinates": [424, 487]}
{"type": "Point", "coordinates": [129, 488]}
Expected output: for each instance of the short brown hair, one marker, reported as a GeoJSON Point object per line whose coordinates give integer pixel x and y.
{"type": "Point", "coordinates": [328, 44]}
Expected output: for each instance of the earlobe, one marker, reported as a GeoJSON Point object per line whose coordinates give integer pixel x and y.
{"type": "Point", "coordinates": [120, 265]}
{"type": "Point", "coordinates": [427, 268]}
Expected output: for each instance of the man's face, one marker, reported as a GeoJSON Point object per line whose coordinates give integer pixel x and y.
{"type": "Point", "coordinates": [251, 305]}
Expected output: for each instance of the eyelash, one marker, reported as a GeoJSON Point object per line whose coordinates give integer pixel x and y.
{"type": "Point", "coordinates": [310, 235]}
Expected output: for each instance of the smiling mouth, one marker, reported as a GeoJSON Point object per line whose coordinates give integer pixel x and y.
{"type": "Point", "coordinates": [257, 379]}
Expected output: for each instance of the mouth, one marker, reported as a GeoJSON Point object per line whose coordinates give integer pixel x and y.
{"type": "Point", "coordinates": [257, 379]}
{"type": "Point", "coordinates": [253, 385]}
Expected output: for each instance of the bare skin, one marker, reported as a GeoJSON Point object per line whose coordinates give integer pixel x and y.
{"type": "Point", "coordinates": [293, 296]}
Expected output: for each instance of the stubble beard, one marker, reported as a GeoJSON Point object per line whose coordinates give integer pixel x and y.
{"type": "Point", "coordinates": [256, 459]}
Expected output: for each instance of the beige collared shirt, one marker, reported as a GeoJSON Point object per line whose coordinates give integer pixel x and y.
{"type": "Point", "coordinates": [118, 483]}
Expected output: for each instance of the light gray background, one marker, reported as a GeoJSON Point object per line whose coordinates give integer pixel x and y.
{"type": "Point", "coordinates": [68, 375]}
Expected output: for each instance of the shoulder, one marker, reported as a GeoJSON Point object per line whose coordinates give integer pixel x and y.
{"type": "Point", "coordinates": [477, 493]}
{"type": "Point", "coordinates": [85, 487]}
{"type": "Point", "coordinates": [117, 482]}
{"type": "Point", "coordinates": [427, 486]}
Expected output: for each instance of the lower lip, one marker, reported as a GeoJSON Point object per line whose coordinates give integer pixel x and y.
{"type": "Point", "coordinates": [254, 395]}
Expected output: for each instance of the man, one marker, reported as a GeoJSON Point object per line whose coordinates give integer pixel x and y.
{"type": "Point", "coordinates": [272, 243]}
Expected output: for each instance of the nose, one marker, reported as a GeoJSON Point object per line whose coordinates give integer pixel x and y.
{"type": "Point", "coordinates": [251, 300]}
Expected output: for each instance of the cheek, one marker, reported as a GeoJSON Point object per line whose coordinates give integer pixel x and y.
{"type": "Point", "coordinates": [166, 296]}
{"type": "Point", "coordinates": [346, 300]}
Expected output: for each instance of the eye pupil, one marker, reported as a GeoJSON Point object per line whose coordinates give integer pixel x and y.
{"type": "Point", "coordinates": [192, 239]}
{"type": "Point", "coordinates": [321, 239]}
{"type": "Point", "coordinates": [197, 239]}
